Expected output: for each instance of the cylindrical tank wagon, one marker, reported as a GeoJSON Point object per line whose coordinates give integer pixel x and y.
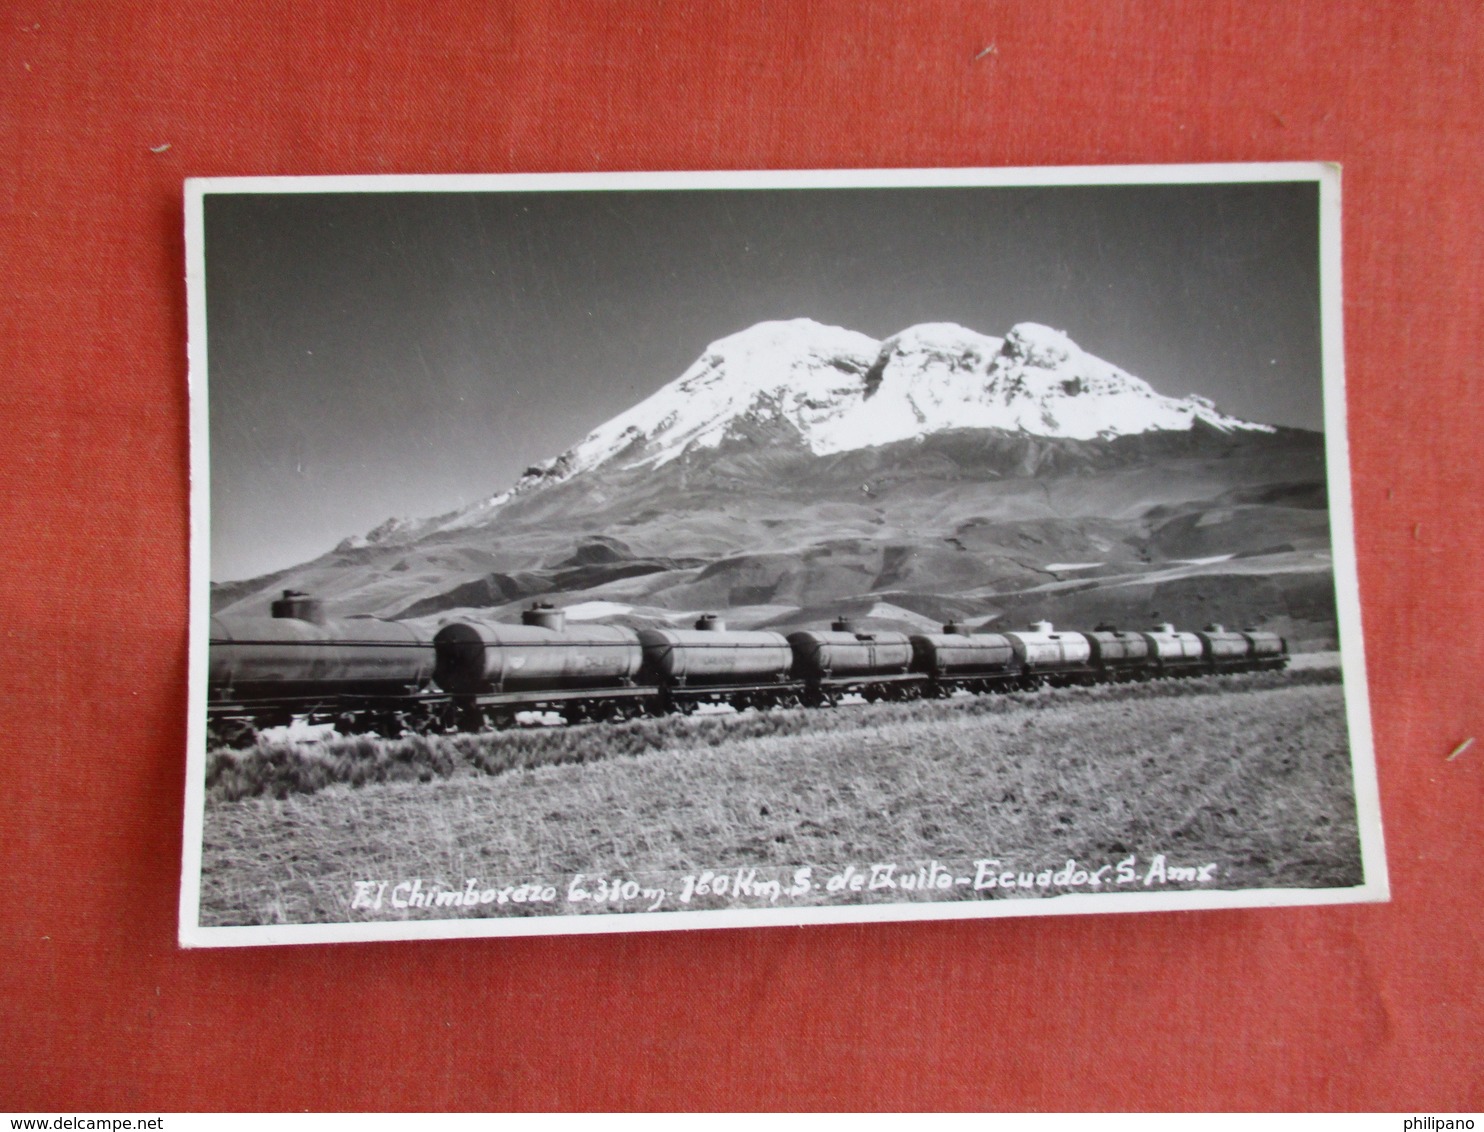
{"type": "Point", "coordinates": [1048, 657]}
{"type": "Point", "coordinates": [1173, 653]}
{"type": "Point", "coordinates": [265, 671]}
{"type": "Point", "coordinates": [493, 669]}
{"type": "Point", "coordinates": [483, 656]}
{"type": "Point", "coordinates": [1119, 655]}
{"type": "Point", "coordinates": [985, 662]}
{"type": "Point", "coordinates": [1269, 651]}
{"type": "Point", "coordinates": [1224, 650]}
{"type": "Point", "coordinates": [285, 657]}
{"type": "Point", "coordinates": [1250, 650]}
{"type": "Point", "coordinates": [367, 674]}
{"type": "Point", "coordinates": [711, 664]}
{"type": "Point", "coordinates": [957, 659]}
{"type": "Point", "coordinates": [845, 659]}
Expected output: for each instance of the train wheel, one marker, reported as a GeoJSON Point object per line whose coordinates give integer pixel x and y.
{"type": "Point", "coordinates": [354, 723]}
{"type": "Point", "coordinates": [388, 724]}
{"type": "Point", "coordinates": [446, 719]}
{"type": "Point", "coordinates": [470, 718]}
{"type": "Point", "coordinates": [431, 720]}
{"type": "Point", "coordinates": [611, 711]}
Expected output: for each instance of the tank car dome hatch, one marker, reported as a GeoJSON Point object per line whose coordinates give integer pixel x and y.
{"type": "Point", "coordinates": [1041, 627]}
{"type": "Point", "coordinates": [955, 629]}
{"type": "Point", "coordinates": [544, 615]}
{"type": "Point", "coordinates": [300, 606]}
{"type": "Point", "coordinates": [711, 623]}
{"type": "Point", "coordinates": [1163, 627]}
{"type": "Point", "coordinates": [843, 624]}
{"type": "Point", "coordinates": [1214, 627]}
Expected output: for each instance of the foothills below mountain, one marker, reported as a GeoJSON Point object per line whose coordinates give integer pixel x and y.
{"type": "Point", "coordinates": [798, 471]}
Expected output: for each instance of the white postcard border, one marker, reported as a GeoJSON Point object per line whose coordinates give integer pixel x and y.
{"type": "Point", "coordinates": [1346, 576]}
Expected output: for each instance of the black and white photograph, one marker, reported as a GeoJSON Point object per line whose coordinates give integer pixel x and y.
{"type": "Point", "coordinates": [592, 553]}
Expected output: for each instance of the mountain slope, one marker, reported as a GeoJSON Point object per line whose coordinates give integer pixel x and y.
{"type": "Point", "coordinates": [833, 390]}
{"type": "Point", "coordinates": [796, 470]}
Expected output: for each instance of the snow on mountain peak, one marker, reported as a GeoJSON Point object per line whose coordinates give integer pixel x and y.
{"type": "Point", "coordinates": [800, 371]}
{"type": "Point", "coordinates": [1039, 345]}
{"type": "Point", "coordinates": [945, 340]}
{"type": "Point", "coordinates": [841, 390]}
{"type": "Point", "coordinates": [1045, 383]}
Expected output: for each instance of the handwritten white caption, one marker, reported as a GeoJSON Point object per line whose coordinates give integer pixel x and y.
{"type": "Point", "coordinates": [751, 886]}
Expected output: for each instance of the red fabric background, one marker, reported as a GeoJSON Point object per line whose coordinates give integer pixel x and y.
{"type": "Point", "coordinates": [1369, 1007]}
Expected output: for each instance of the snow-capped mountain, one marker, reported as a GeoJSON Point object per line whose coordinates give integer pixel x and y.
{"type": "Point", "coordinates": [797, 470]}
{"type": "Point", "coordinates": [841, 390]}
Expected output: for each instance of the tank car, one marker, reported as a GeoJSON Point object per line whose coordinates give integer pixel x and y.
{"type": "Point", "coordinates": [846, 659]}
{"type": "Point", "coordinates": [1269, 651]}
{"type": "Point", "coordinates": [1225, 651]}
{"type": "Point", "coordinates": [712, 664]}
{"type": "Point", "coordinates": [1173, 653]}
{"type": "Point", "coordinates": [368, 674]}
{"type": "Point", "coordinates": [492, 670]}
{"type": "Point", "coordinates": [1048, 657]}
{"type": "Point", "coordinates": [957, 659]}
{"type": "Point", "coordinates": [363, 673]}
{"type": "Point", "coordinates": [1118, 655]}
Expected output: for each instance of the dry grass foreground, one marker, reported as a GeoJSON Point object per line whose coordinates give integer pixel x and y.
{"type": "Point", "coordinates": [1251, 774]}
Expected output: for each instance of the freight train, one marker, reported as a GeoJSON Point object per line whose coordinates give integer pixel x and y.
{"type": "Point", "coordinates": [369, 675]}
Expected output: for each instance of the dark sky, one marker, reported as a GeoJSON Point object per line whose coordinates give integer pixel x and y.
{"type": "Point", "coordinates": [380, 354]}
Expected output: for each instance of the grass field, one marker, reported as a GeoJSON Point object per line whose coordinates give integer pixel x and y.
{"type": "Point", "coordinates": [1247, 778]}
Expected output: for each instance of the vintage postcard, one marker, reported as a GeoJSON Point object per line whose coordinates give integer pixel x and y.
{"type": "Point", "coordinates": [630, 552]}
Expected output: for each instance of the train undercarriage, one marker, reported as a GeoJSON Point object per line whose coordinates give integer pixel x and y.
{"type": "Point", "coordinates": [239, 723]}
